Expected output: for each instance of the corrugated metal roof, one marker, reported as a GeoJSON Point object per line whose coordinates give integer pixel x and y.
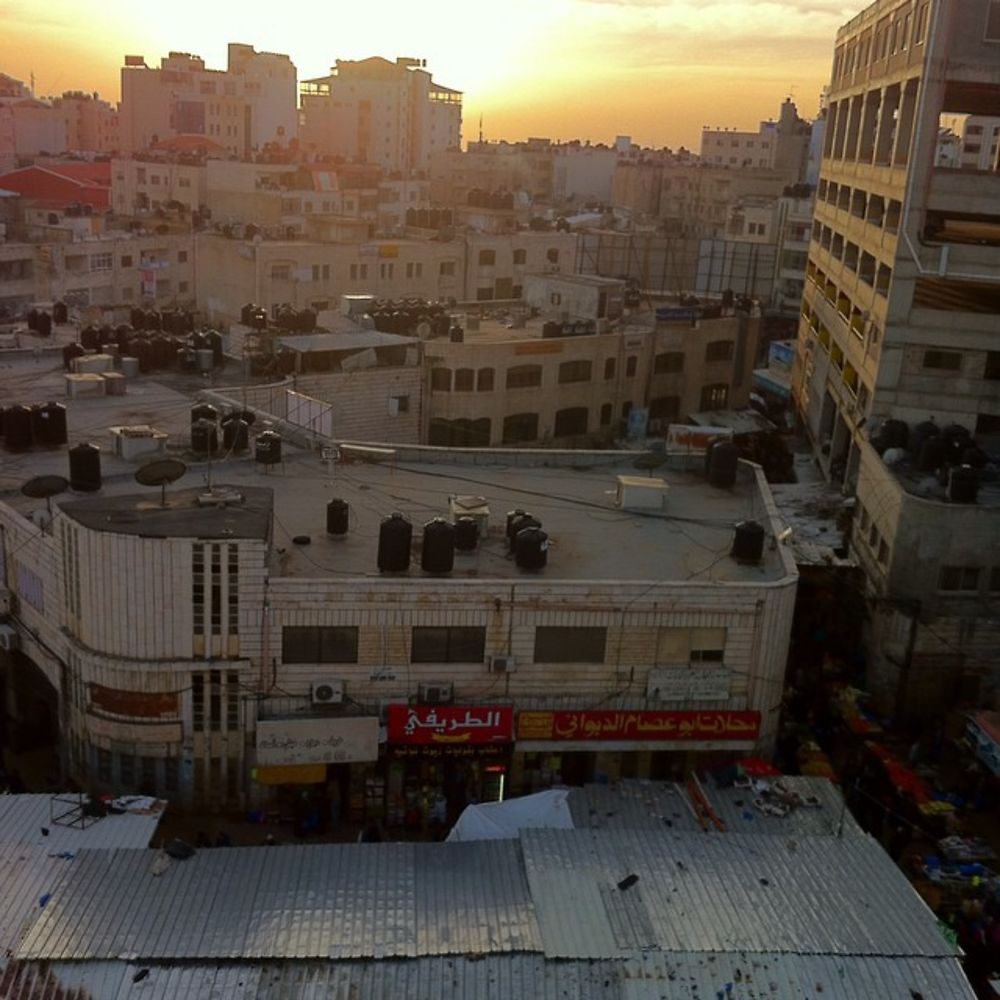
{"type": "Point", "coordinates": [357, 340]}
{"type": "Point", "coordinates": [649, 805]}
{"type": "Point", "coordinates": [325, 901]}
{"type": "Point", "coordinates": [647, 977]}
{"type": "Point", "coordinates": [24, 817]}
{"type": "Point", "coordinates": [27, 874]}
{"type": "Point", "coordinates": [819, 895]}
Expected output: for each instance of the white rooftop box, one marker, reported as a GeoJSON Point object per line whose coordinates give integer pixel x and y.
{"type": "Point", "coordinates": [640, 493]}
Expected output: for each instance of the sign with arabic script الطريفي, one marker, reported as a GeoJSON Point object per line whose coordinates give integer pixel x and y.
{"type": "Point", "coordinates": [316, 741]}
{"type": "Point", "coordinates": [440, 725]}
{"type": "Point", "coordinates": [645, 726]}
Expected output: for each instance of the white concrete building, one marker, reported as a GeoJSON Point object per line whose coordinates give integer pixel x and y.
{"type": "Point", "coordinates": [199, 648]}
{"type": "Point", "coordinates": [374, 111]}
{"type": "Point", "coordinates": [898, 321]}
{"type": "Point", "coordinates": [242, 108]}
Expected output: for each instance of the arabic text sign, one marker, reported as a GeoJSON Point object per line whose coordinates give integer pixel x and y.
{"type": "Point", "coordinates": [316, 741]}
{"type": "Point", "coordinates": [687, 684]}
{"type": "Point", "coordinates": [441, 725]}
{"type": "Point", "coordinates": [723, 726]}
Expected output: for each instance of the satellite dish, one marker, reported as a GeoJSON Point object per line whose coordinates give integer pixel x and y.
{"type": "Point", "coordinates": [43, 487]}
{"type": "Point", "coordinates": [160, 472]}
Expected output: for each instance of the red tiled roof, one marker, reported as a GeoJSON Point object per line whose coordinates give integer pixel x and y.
{"type": "Point", "coordinates": [54, 186]}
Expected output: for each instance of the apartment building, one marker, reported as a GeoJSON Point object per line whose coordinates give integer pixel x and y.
{"type": "Point", "coordinates": [250, 104]}
{"type": "Point", "coordinates": [197, 650]}
{"type": "Point", "coordinates": [390, 114]}
{"type": "Point", "coordinates": [899, 321]}
{"type": "Point", "coordinates": [91, 124]}
{"type": "Point", "coordinates": [980, 143]}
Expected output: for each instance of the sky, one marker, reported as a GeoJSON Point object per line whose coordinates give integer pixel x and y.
{"type": "Point", "coordinates": [657, 70]}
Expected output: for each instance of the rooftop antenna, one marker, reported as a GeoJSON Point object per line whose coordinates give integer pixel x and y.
{"type": "Point", "coordinates": [480, 127]}
{"type": "Point", "coordinates": [32, 79]}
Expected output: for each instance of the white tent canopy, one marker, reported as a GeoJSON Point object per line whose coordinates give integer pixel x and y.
{"type": "Point", "coordinates": [505, 820]}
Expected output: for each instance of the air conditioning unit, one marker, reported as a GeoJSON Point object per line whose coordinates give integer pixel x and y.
{"type": "Point", "coordinates": [502, 664]}
{"type": "Point", "coordinates": [9, 639]}
{"type": "Point", "coordinates": [327, 692]}
{"type": "Point", "coordinates": [435, 694]}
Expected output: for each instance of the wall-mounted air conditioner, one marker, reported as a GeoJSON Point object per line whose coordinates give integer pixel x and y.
{"type": "Point", "coordinates": [327, 692]}
{"type": "Point", "coordinates": [435, 694]}
{"type": "Point", "coordinates": [502, 665]}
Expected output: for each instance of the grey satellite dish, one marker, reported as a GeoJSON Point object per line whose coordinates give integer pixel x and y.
{"type": "Point", "coordinates": [161, 472]}
{"type": "Point", "coordinates": [45, 488]}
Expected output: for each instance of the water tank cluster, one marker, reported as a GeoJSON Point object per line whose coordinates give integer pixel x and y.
{"type": "Point", "coordinates": [428, 218]}
{"type": "Point", "coordinates": [579, 328]}
{"type": "Point", "coordinates": [294, 320]}
{"type": "Point", "coordinates": [403, 316]}
{"type": "Point", "coordinates": [40, 322]}
{"type": "Point", "coordinates": [153, 350]}
{"type": "Point", "coordinates": [441, 539]}
{"type": "Point", "coordinates": [254, 316]}
{"type": "Point", "coordinates": [208, 426]}
{"type": "Point", "coordinates": [42, 425]}
{"type": "Point", "coordinates": [497, 200]}
{"type": "Point", "coordinates": [949, 453]}
{"type": "Point", "coordinates": [178, 321]}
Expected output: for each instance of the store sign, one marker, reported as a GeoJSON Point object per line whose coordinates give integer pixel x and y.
{"type": "Point", "coordinates": [690, 683]}
{"type": "Point", "coordinates": [666, 727]}
{"type": "Point", "coordinates": [316, 741]}
{"type": "Point", "coordinates": [442, 725]}
{"type": "Point", "coordinates": [138, 704]}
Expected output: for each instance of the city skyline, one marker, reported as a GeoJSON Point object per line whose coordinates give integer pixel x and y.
{"type": "Point", "coordinates": [578, 69]}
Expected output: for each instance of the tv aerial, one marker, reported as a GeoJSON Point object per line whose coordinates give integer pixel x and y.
{"type": "Point", "coordinates": [160, 472]}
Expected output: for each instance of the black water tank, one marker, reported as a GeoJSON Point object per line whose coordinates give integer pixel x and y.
{"type": "Point", "coordinates": [551, 329]}
{"type": "Point", "coordinates": [48, 425]}
{"type": "Point", "coordinates": [466, 534]}
{"type": "Point", "coordinates": [32, 319]}
{"type": "Point", "coordinates": [924, 430]}
{"type": "Point", "coordinates": [456, 334]}
{"type": "Point", "coordinates": [142, 352]}
{"type": "Point", "coordinates": [437, 554]}
{"type": "Point", "coordinates": [531, 548]}
{"type": "Point", "coordinates": [338, 517]}
{"type": "Point", "coordinates": [725, 457]}
{"type": "Point", "coordinates": [213, 341]}
{"type": "Point", "coordinates": [748, 542]}
{"type": "Point", "coordinates": [520, 524]}
{"type": "Point", "coordinates": [204, 411]}
{"type": "Point", "coordinates": [932, 453]}
{"type": "Point", "coordinates": [246, 313]}
{"type": "Point", "coordinates": [17, 428]}
{"type": "Point", "coordinates": [894, 433]}
{"type": "Point", "coordinates": [89, 337]}
{"type": "Point", "coordinates": [204, 437]}
{"type": "Point", "coordinates": [975, 457]}
{"type": "Point", "coordinates": [963, 484]}
{"type": "Point", "coordinates": [44, 324]}
{"type": "Point", "coordinates": [395, 536]}
{"type": "Point", "coordinates": [267, 448]}
{"type": "Point", "coordinates": [235, 433]}
{"type": "Point", "coordinates": [956, 439]}
{"type": "Point", "coordinates": [85, 467]}
{"type": "Point", "coordinates": [60, 313]}
{"type": "Point", "coordinates": [69, 352]}
{"type": "Point", "coordinates": [512, 516]}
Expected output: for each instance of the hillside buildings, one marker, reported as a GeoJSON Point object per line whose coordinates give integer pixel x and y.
{"type": "Point", "coordinates": [899, 323]}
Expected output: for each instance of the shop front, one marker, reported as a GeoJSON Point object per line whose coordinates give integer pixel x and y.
{"type": "Point", "coordinates": [574, 748]}
{"type": "Point", "coordinates": [312, 770]}
{"type": "Point", "coordinates": [441, 758]}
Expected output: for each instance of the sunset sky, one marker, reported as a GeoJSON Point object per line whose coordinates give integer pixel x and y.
{"type": "Point", "coordinates": [657, 70]}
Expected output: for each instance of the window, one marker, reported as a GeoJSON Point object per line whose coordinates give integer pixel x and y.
{"type": "Point", "coordinates": [609, 368]}
{"type": "Point", "coordinates": [519, 428]}
{"type": "Point", "coordinates": [448, 644]}
{"type": "Point", "coordinates": [690, 645]}
{"type": "Point", "coordinates": [440, 380]}
{"type": "Point", "coordinates": [101, 262]}
{"type": "Point", "coordinates": [520, 257]}
{"type": "Point", "coordinates": [386, 269]}
{"type": "Point", "coordinates": [570, 644]}
{"type": "Point", "coordinates": [994, 584]}
{"type": "Point", "coordinates": [182, 286]}
{"type": "Point", "coordinates": [484, 380]}
{"type": "Point", "coordinates": [946, 361]}
{"type": "Point", "coordinates": [714, 397]}
{"type": "Point", "coordinates": [555, 299]}
{"type": "Point", "coordinates": [524, 376]}
{"type": "Point", "coordinates": [182, 256]}
{"type": "Point", "coordinates": [198, 588]}
{"type": "Point", "coordinates": [127, 260]}
{"type": "Point", "coordinates": [631, 362]}
{"type": "Point", "coordinates": [126, 771]}
{"type": "Point", "coordinates": [464, 379]}
{"type": "Point", "coordinates": [664, 408]}
{"type": "Point", "coordinates": [319, 644]}
{"type": "Point", "coordinates": [992, 369]}
{"type": "Point", "coordinates": [992, 33]}
{"type": "Point", "coordinates": [104, 766]}
{"type": "Point", "coordinates": [487, 258]}
{"type": "Point", "coordinates": [484, 294]}
{"type": "Point", "coordinates": [574, 371]}
{"type": "Point", "coordinates": [959, 578]}
{"type": "Point", "coordinates": [281, 272]}
{"type": "Point", "coordinates": [552, 255]}
{"type": "Point", "coordinates": [414, 270]}
{"type": "Point", "coordinates": [719, 350]}
{"type": "Point", "coordinates": [398, 405]}
{"type": "Point", "coordinates": [446, 269]}
{"type": "Point", "coordinates": [606, 415]}
{"type": "Point", "coordinates": [570, 421]}
{"type": "Point", "coordinates": [668, 362]}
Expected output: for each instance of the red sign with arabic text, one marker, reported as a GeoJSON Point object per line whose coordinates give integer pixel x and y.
{"type": "Point", "coordinates": [443, 725]}
{"type": "Point", "coordinates": [666, 727]}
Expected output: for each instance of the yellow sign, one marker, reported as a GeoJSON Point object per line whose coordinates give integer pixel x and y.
{"type": "Point", "coordinates": [291, 774]}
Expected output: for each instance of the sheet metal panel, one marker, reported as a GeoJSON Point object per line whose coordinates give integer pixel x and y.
{"type": "Point", "coordinates": [732, 893]}
{"type": "Point", "coordinates": [26, 875]}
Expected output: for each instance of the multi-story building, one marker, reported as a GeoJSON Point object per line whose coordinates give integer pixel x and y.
{"type": "Point", "coordinates": [391, 114]}
{"type": "Point", "coordinates": [899, 321]}
{"type": "Point", "coordinates": [198, 649]}
{"type": "Point", "coordinates": [980, 143]}
{"type": "Point", "coordinates": [91, 124]}
{"type": "Point", "coordinates": [250, 104]}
